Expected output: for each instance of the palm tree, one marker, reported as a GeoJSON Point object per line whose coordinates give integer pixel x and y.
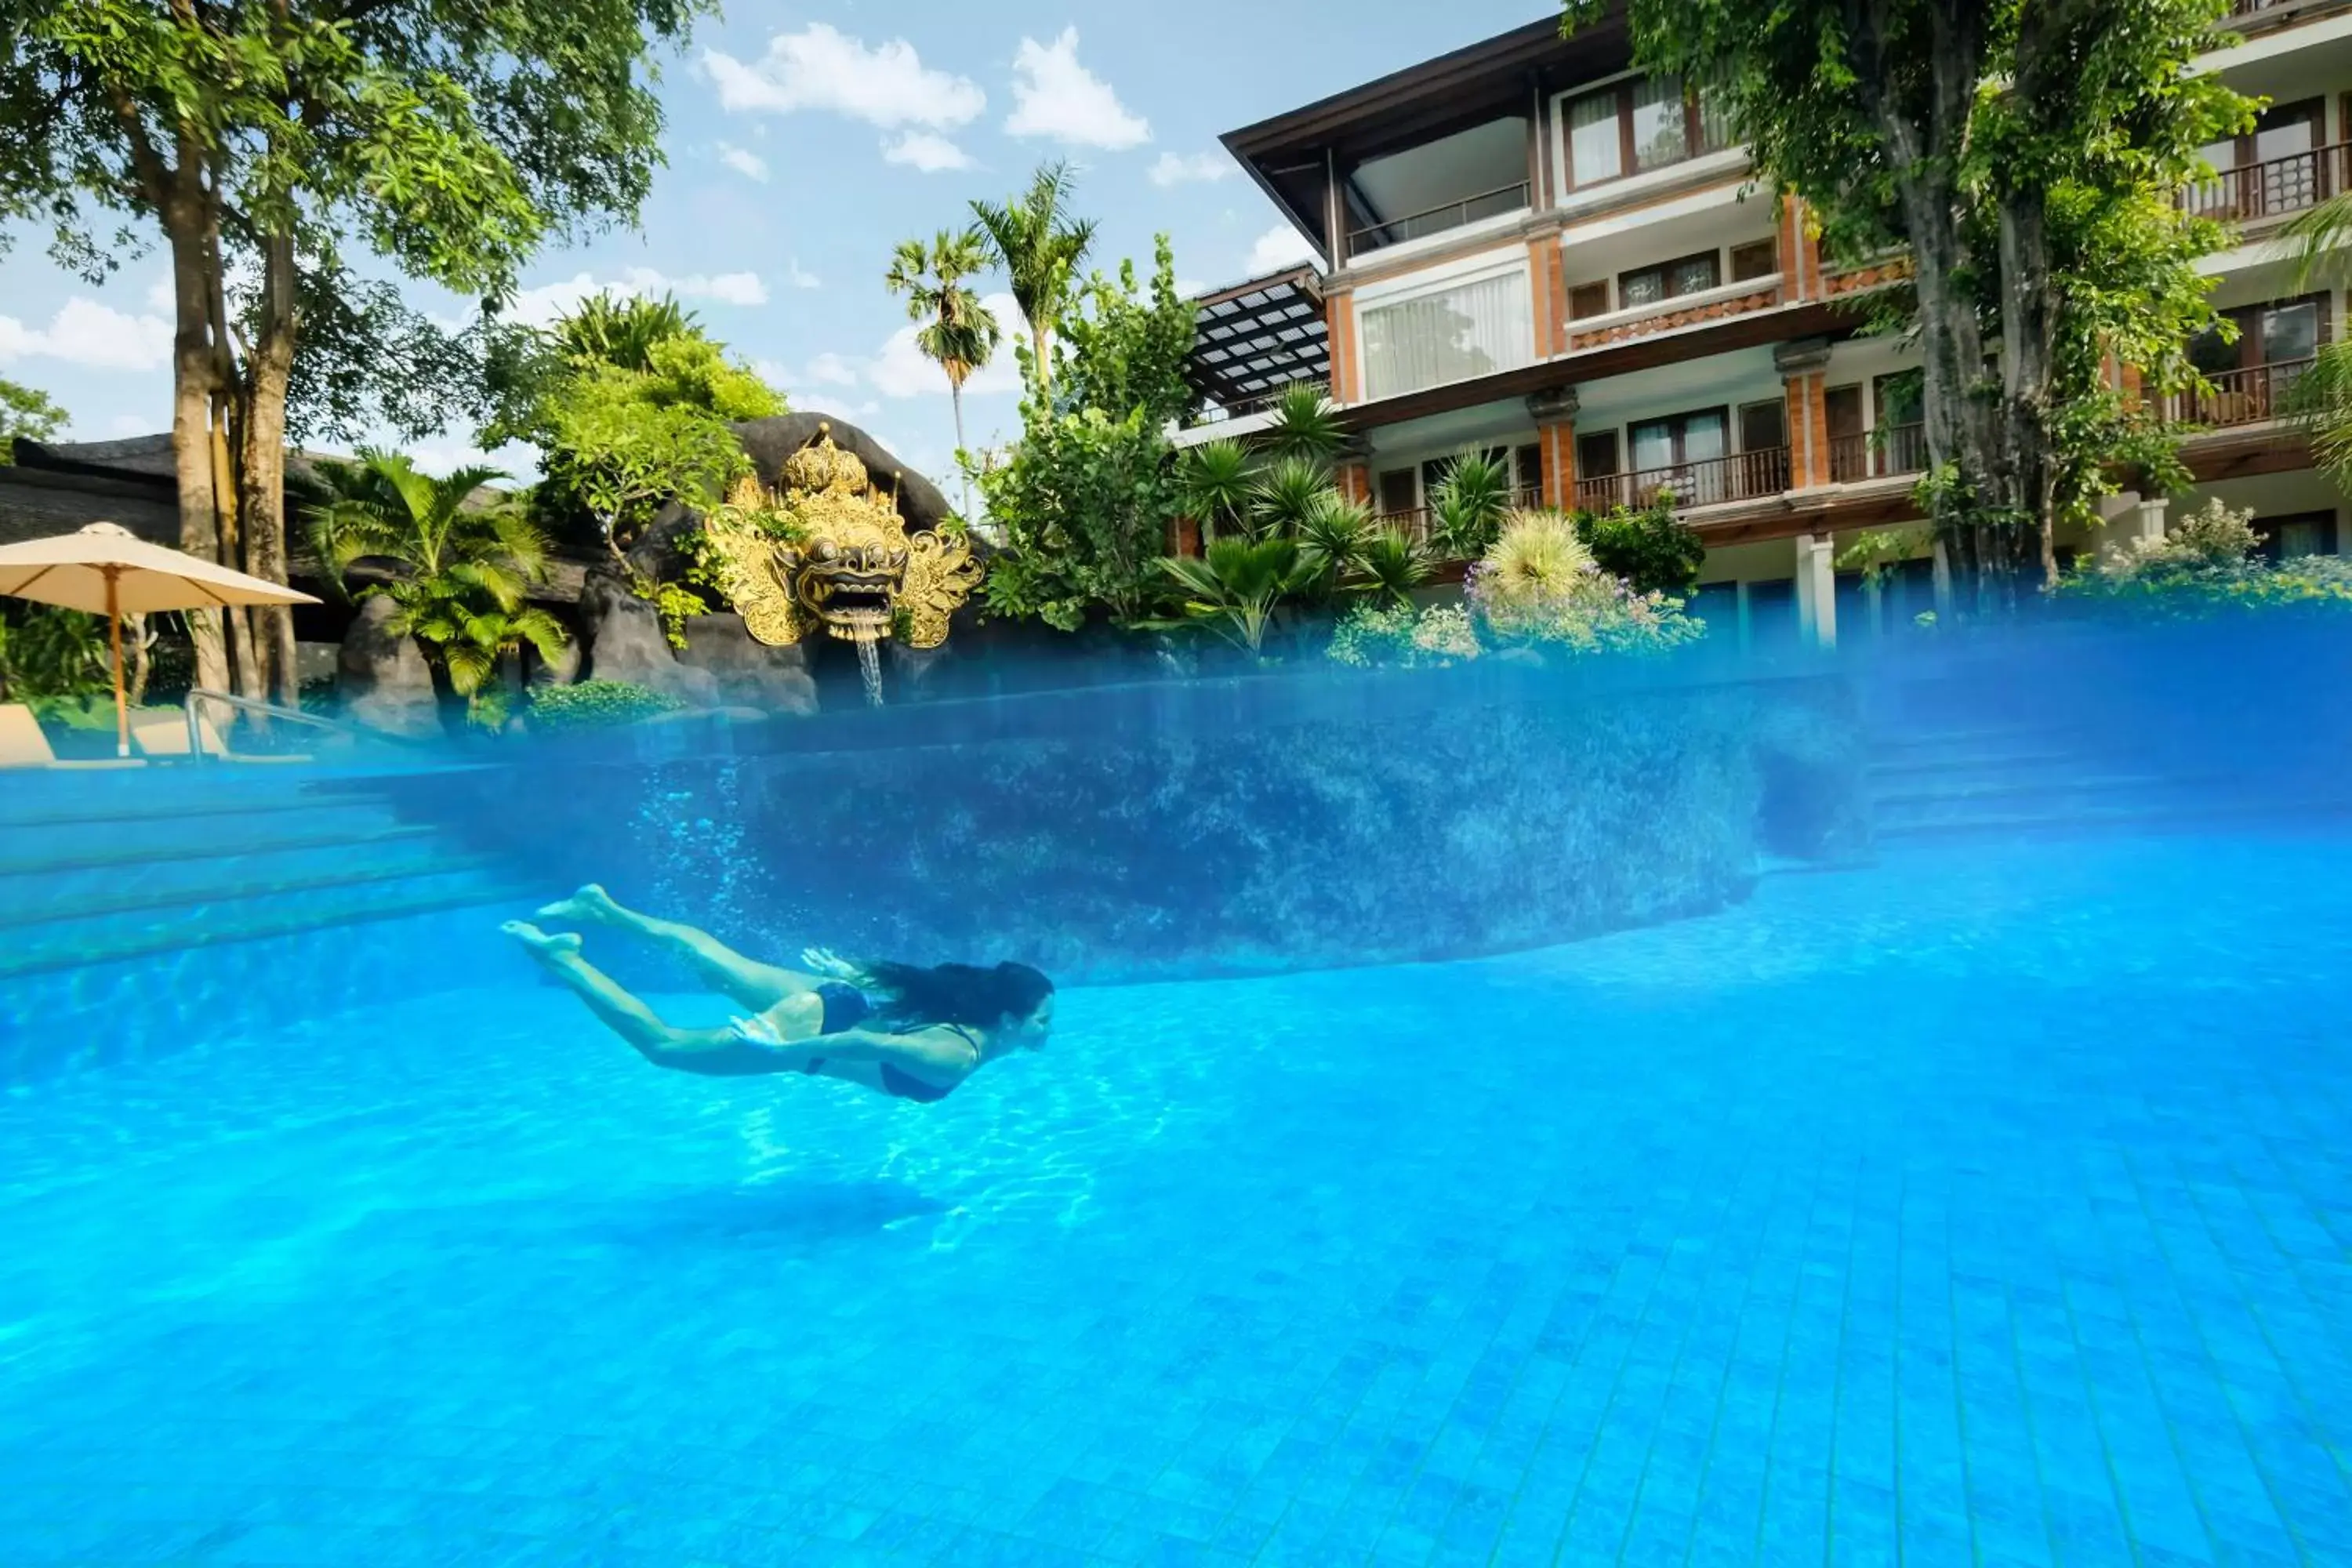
{"type": "Point", "coordinates": [960, 334]}
{"type": "Point", "coordinates": [2321, 398]}
{"type": "Point", "coordinates": [1306, 424]}
{"type": "Point", "coordinates": [1237, 587]}
{"type": "Point", "coordinates": [1040, 247]}
{"type": "Point", "coordinates": [1216, 477]}
{"type": "Point", "coordinates": [460, 572]}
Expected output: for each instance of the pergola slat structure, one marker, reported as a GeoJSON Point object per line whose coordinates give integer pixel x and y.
{"type": "Point", "coordinates": [1257, 338]}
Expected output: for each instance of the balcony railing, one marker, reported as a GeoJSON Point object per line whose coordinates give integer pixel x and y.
{"type": "Point", "coordinates": [2247, 396]}
{"type": "Point", "coordinates": [1743, 475]}
{"type": "Point", "coordinates": [1438, 219]}
{"type": "Point", "coordinates": [2273, 187]}
{"type": "Point", "coordinates": [1415, 521]}
{"type": "Point", "coordinates": [1878, 454]}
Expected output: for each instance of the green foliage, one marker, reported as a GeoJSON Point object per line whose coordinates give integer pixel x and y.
{"type": "Point", "coordinates": [1234, 589]}
{"type": "Point", "coordinates": [595, 704]}
{"type": "Point", "coordinates": [462, 569]}
{"type": "Point", "coordinates": [1390, 566]}
{"type": "Point", "coordinates": [1039, 246]}
{"type": "Point", "coordinates": [365, 361]}
{"type": "Point", "coordinates": [53, 653]}
{"type": "Point", "coordinates": [1333, 535]}
{"type": "Point", "coordinates": [1653, 550]}
{"type": "Point", "coordinates": [28, 414]}
{"type": "Point", "coordinates": [1373, 635]}
{"type": "Point", "coordinates": [1083, 503]}
{"type": "Point", "coordinates": [1540, 584]}
{"type": "Point", "coordinates": [2206, 566]}
{"type": "Point", "coordinates": [1213, 483]}
{"type": "Point", "coordinates": [1306, 424]}
{"type": "Point", "coordinates": [1466, 510]}
{"type": "Point", "coordinates": [1288, 494]}
{"type": "Point", "coordinates": [1123, 346]}
{"type": "Point", "coordinates": [959, 333]}
{"type": "Point", "coordinates": [1875, 551]}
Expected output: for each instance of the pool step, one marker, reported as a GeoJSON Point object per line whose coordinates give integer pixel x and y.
{"type": "Point", "coordinates": [165, 861]}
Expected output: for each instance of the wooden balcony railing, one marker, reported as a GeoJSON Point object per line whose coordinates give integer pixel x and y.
{"type": "Point", "coordinates": [1743, 475]}
{"type": "Point", "coordinates": [1415, 523]}
{"type": "Point", "coordinates": [1438, 219]}
{"type": "Point", "coordinates": [2238, 396]}
{"type": "Point", "coordinates": [1878, 454]}
{"type": "Point", "coordinates": [2272, 188]}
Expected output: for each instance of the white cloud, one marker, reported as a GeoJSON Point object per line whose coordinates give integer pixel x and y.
{"type": "Point", "coordinates": [823, 69]}
{"type": "Point", "coordinates": [796, 279]}
{"type": "Point", "coordinates": [538, 307]}
{"type": "Point", "coordinates": [832, 370]}
{"type": "Point", "coordinates": [1279, 247]}
{"type": "Point", "coordinates": [903, 370]}
{"type": "Point", "coordinates": [926, 150]}
{"type": "Point", "coordinates": [160, 298]}
{"type": "Point", "coordinates": [1054, 95]}
{"type": "Point", "coordinates": [1177, 168]}
{"type": "Point", "coordinates": [744, 161]}
{"type": "Point", "coordinates": [86, 333]}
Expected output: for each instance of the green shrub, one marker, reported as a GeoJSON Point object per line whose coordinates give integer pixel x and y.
{"type": "Point", "coordinates": [593, 704]}
{"type": "Point", "coordinates": [2205, 565]}
{"type": "Point", "coordinates": [1393, 635]}
{"type": "Point", "coordinates": [1540, 584]}
{"type": "Point", "coordinates": [1653, 550]}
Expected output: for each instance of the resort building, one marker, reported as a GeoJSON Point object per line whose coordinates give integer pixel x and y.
{"type": "Point", "coordinates": [1529, 247]}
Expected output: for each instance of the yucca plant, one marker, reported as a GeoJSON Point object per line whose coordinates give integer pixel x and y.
{"type": "Point", "coordinates": [1467, 508]}
{"type": "Point", "coordinates": [1332, 539]}
{"type": "Point", "coordinates": [460, 572]}
{"type": "Point", "coordinates": [1216, 481]}
{"type": "Point", "coordinates": [1237, 586]}
{"type": "Point", "coordinates": [1287, 493]}
{"type": "Point", "coordinates": [1391, 565]}
{"type": "Point", "coordinates": [1306, 424]}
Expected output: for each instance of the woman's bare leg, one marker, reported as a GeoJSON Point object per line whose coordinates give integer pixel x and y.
{"type": "Point", "coordinates": [744, 980]}
{"type": "Point", "coordinates": [658, 1042]}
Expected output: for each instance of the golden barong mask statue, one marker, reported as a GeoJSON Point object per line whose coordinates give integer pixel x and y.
{"type": "Point", "coordinates": [828, 549]}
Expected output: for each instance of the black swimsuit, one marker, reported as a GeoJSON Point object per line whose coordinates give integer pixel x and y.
{"type": "Point", "coordinates": [845, 1008]}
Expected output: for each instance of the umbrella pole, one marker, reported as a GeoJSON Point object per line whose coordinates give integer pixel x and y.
{"type": "Point", "coordinates": [121, 703]}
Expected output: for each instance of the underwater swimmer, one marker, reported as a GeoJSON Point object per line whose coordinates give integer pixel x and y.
{"type": "Point", "coordinates": [899, 1030]}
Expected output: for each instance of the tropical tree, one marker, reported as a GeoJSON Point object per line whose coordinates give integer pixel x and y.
{"type": "Point", "coordinates": [2025, 153]}
{"type": "Point", "coordinates": [1214, 480]}
{"type": "Point", "coordinates": [269, 140]}
{"type": "Point", "coordinates": [460, 569]}
{"type": "Point", "coordinates": [27, 413]}
{"type": "Point", "coordinates": [1306, 424]}
{"type": "Point", "coordinates": [1236, 588]}
{"type": "Point", "coordinates": [1039, 246]}
{"type": "Point", "coordinates": [1467, 508]}
{"type": "Point", "coordinates": [958, 334]}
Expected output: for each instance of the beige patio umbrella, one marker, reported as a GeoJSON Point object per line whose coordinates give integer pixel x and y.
{"type": "Point", "coordinates": [107, 570]}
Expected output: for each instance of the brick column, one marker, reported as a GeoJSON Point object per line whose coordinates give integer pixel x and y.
{"type": "Point", "coordinates": [1801, 254]}
{"type": "Point", "coordinates": [1339, 329]}
{"type": "Point", "coordinates": [1805, 371]}
{"type": "Point", "coordinates": [1555, 416]}
{"type": "Point", "coordinates": [1548, 288]}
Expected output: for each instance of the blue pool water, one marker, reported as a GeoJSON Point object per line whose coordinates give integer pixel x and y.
{"type": "Point", "coordinates": [1986, 1207]}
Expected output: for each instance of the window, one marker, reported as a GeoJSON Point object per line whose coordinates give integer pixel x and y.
{"type": "Point", "coordinates": [1849, 438]}
{"type": "Point", "coordinates": [2277, 168]}
{"type": "Point", "coordinates": [1682, 452]}
{"type": "Point", "coordinates": [1528, 462]}
{"type": "Point", "coordinates": [1645, 123]}
{"type": "Point", "coordinates": [1469, 330]}
{"type": "Point", "coordinates": [1901, 398]}
{"type": "Point", "coordinates": [2280, 333]}
{"type": "Point", "coordinates": [1587, 299]}
{"type": "Point", "coordinates": [1758, 259]}
{"type": "Point", "coordinates": [2302, 533]}
{"type": "Point", "coordinates": [1596, 455]}
{"type": "Point", "coordinates": [1669, 280]}
{"type": "Point", "coordinates": [1764, 427]}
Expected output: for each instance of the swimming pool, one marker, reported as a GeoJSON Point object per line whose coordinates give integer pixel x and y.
{"type": "Point", "coordinates": [1990, 1205]}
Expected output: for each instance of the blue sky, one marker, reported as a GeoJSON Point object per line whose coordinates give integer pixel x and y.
{"type": "Point", "coordinates": [805, 141]}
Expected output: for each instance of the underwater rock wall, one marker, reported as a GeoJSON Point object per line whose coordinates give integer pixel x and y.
{"type": "Point", "coordinates": [1215, 827]}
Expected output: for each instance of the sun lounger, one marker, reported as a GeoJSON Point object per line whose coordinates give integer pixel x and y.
{"type": "Point", "coordinates": [23, 745]}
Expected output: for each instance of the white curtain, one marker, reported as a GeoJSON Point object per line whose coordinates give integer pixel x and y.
{"type": "Point", "coordinates": [1474, 329]}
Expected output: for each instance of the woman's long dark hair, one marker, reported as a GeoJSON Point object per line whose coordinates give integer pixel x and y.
{"type": "Point", "coordinates": [908, 996]}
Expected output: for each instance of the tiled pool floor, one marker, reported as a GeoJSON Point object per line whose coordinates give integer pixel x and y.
{"type": "Point", "coordinates": [1984, 1208]}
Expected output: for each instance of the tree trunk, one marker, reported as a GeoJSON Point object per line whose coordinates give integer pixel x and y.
{"type": "Point", "coordinates": [142, 657]}
{"type": "Point", "coordinates": [955, 396]}
{"type": "Point", "coordinates": [270, 367]}
{"type": "Point", "coordinates": [193, 368]}
{"type": "Point", "coordinates": [248, 669]}
{"type": "Point", "coordinates": [1044, 371]}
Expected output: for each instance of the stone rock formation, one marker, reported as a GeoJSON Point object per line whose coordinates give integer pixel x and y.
{"type": "Point", "coordinates": [624, 634]}
{"type": "Point", "coordinates": [383, 677]}
{"type": "Point", "coordinates": [749, 673]}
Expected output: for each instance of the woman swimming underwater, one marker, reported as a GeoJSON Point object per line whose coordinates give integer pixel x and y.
{"type": "Point", "coordinates": [909, 1032]}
